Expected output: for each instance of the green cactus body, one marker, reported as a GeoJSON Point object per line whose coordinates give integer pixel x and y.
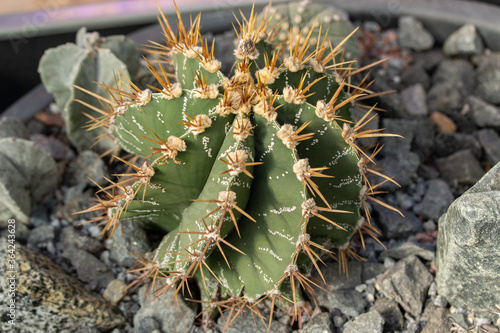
{"type": "Point", "coordinates": [254, 177]}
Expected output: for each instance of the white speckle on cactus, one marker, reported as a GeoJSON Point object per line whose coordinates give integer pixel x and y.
{"type": "Point", "coordinates": [280, 234]}
{"type": "Point", "coordinates": [154, 203]}
{"type": "Point", "coordinates": [283, 209]}
{"type": "Point", "coordinates": [205, 140]}
{"type": "Point", "coordinates": [159, 116]}
{"type": "Point", "coordinates": [346, 181]}
{"type": "Point", "coordinates": [264, 276]}
{"type": "Point", "coordinates": [271, 252]}
{"type": "Point", "coordinates": [298, 115]}
{"type": "Point", "coordinates": [138, 124]}
{"type": "Point", "coordinates": [345, 203]}
{"type": "Point", "coordinates": [155, 186]}
{"type": "Point", "coordinates": [338, 155]}
{"type": "Point", "coordinates": [120, 130]}
{"type": "Point", "coordinates": [184, 103]}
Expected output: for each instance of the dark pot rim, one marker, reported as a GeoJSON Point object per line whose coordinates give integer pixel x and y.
{"type": "Point", "coordinates": [440, 17]}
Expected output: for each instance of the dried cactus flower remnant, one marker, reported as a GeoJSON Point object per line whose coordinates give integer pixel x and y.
{"type": "Point", "coordinates": [252, 176]}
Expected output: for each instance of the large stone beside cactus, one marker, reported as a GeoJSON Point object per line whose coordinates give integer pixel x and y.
{"type": "Point", "coordinates": [47, 299]}
{"type": "Point", "coordinates": [254, 176]}
{"type": "Point", "coordinates": [468, 252]}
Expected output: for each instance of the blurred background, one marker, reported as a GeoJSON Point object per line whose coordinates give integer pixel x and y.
{"type": "Point", "coordinates": [29, 27]}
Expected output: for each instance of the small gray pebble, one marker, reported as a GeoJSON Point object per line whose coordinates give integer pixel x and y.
{"type": "Point", "coordinates": [51, 248]}
{"type": "Point", "coordinates": [440, 301]}
{"type": "Point", "coordinates": [360, 288]}
{"type": "Point", "coordinates": [432, 289]}
{"type": "Point", "coordinates": [94, 231]}
{"type": "Point", "coordinates": [412, 327]}
{"type": "Point", "coordinates": [429, 225]}
{"type": "Point", "coordinates": [338, 321]}
{"type": "Point", "coordinates": [389, 262]}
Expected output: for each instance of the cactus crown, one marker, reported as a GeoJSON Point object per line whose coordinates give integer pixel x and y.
{"type": "Point", "coordinates": [254, 176]}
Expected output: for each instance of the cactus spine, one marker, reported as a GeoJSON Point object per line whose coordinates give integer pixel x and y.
{"type": "Point", "coordinates": [255, 176]}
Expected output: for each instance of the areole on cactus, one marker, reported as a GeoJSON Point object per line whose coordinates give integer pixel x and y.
{"type": "Point", "coordinates": [253, 177]}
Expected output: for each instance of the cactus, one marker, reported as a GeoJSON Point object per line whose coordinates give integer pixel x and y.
{"type": "Point", "coordinates": [92, 59]}
{"type": "Point", "coordinates": [328, 21]}
{"type": "Point", "coordinates": [255, 176]}
{"type": "Point", "coordinates": [27, 172]}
